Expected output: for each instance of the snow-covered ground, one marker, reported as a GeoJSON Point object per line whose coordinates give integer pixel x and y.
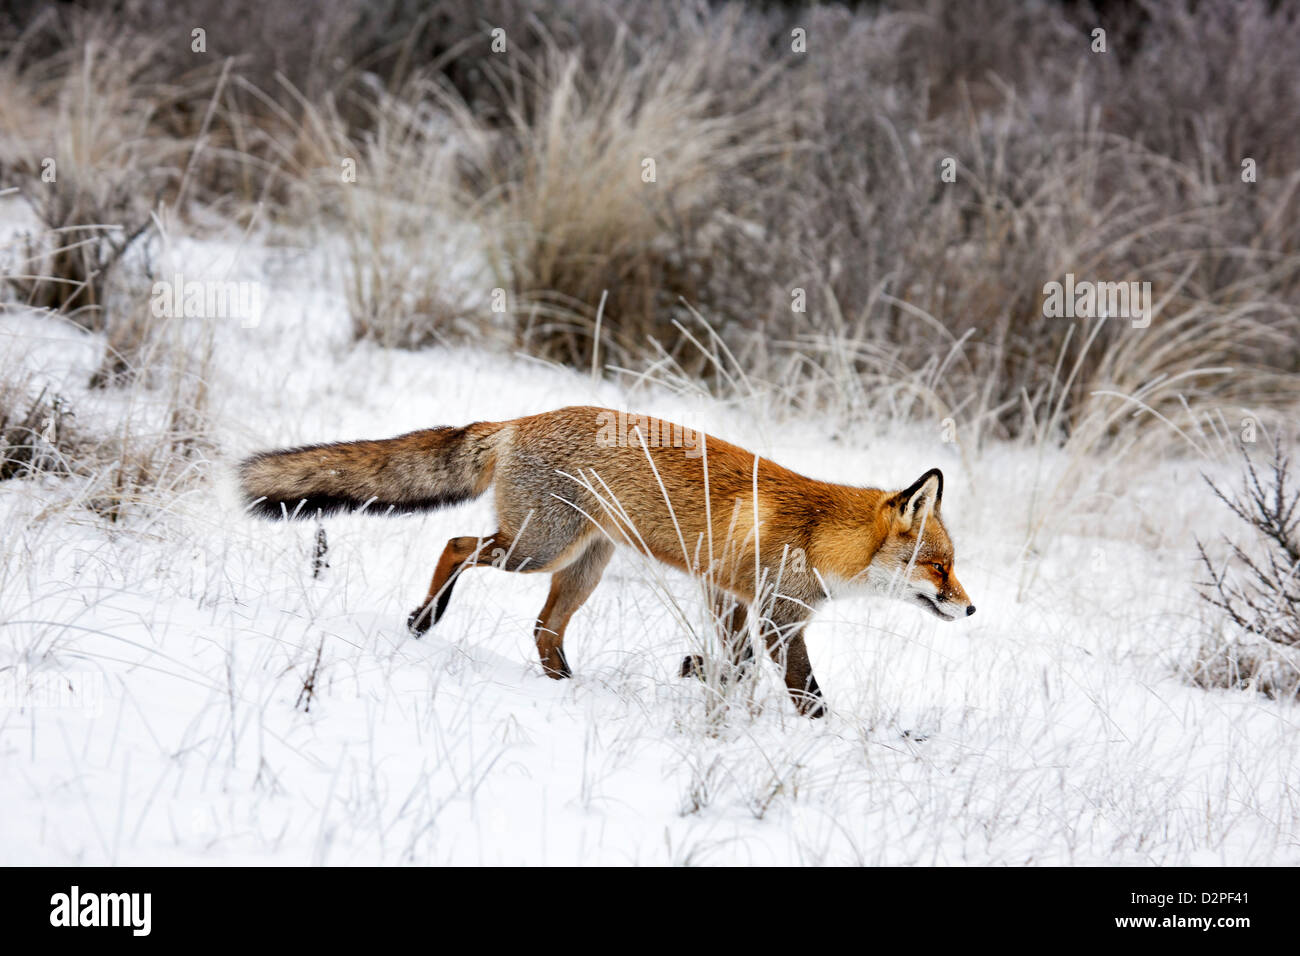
{"type": "Point", "coordinates": [152, 669]}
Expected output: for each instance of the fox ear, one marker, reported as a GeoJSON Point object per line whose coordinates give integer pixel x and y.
{"type": "Point", "coordinates": [920, 498]}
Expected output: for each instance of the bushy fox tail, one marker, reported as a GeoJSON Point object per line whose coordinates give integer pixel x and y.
{"type": "Point", "coordinates": [419, 471]}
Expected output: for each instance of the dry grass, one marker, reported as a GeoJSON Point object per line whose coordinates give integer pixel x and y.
{"type": "Point", "coordinates": [383, 189]}
{"type": "Point", "coordinates": [36, 433]}
{"type": "Point", "coordinates": [83, 152]}
{"type": "Point", "coordinates": [129, 448]}
{"type": "Point", "coordinates": [924, 298]}
{"type": "Point", "coordinates": [618, 186]}
{"type": "Point", "coordinates": [159, 447]}
{"type": "Point", "coordinates": [784, 175]}
{"type": "Point", "coordinates": [778, 175]}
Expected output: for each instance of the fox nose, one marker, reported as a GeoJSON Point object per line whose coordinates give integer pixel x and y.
{"type": "Point", "coordinates": [970, 609]}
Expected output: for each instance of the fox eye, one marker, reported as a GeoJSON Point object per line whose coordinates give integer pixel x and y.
{"type": "Point", "coordinates": [938, 567]}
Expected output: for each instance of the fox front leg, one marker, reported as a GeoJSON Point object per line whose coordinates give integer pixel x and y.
{"type": "Point", "coordinates": [783, 635]}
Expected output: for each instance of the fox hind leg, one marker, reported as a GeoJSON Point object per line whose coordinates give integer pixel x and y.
{"type": "Point", "coordinates": [459, 555]}
{"type": "Point", "coordinates": [570, 588]}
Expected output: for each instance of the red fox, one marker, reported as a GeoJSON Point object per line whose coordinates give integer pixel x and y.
{"type": "Point", "coordinates": [571, 484]}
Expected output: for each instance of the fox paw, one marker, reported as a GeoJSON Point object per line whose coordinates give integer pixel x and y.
{"type": "Point", "coordinates": [419, 620]}
{"type": "Point", "coordinates": [692, 666]}
{"type": "Point", "coordinates": [695, 665]}
{"type": "Point", "coordinates": [557, 666]}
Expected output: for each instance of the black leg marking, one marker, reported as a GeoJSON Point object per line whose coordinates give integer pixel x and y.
{"type": "Point", "coordinates": [427, 615]}
{"type": "Point", "coordinates": [564, 663]}
{"type": "Point", "coordinates": [444, 598]}
{"type": "Point", "coordinates": [814, 695]}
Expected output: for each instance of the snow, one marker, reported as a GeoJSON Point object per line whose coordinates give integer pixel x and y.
{"type": "Point", "coordinates": [151, 670]}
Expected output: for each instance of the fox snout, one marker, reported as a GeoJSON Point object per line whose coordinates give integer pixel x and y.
{"type": "Point", "coordinates": [944, 608]}
{"type": "Point", "coordinates": [939, 592]}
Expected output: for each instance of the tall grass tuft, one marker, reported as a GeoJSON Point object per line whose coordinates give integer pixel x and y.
{"type": "Point", "coordinates": [84, 153]}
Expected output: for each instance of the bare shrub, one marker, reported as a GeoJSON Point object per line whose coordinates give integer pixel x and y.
{"type": "Point", "coordinates": [1257, 592]}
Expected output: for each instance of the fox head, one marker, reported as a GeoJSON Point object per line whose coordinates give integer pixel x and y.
{"type": "Point", "coordinates": [915, 560]}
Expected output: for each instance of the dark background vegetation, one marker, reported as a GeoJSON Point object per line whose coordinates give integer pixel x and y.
{"type": "Point", "coordinates": [1123, 166]}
